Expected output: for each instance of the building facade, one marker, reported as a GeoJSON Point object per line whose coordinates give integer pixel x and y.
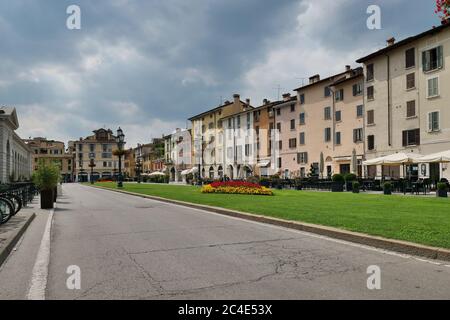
{"type": "Point", "coordinates": [330, 126]}
{"type": "Point", "coordinates": [407, 100]}
{"type": "Point", "coordinates": [51, 151]}
{"type": "Point", "coordinates": [178, 154]}
{"type": "Point", "coordinates": [208, 137]}
{"type": "Point", "coordinates": [99, 147]}
{"type": "Point", "coordinates": [15, 155]}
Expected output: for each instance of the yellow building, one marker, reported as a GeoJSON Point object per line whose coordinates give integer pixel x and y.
{"type": "Point", "coordinates": [99, 147]}
{"type": "Point", "coordinates": [51, 151]}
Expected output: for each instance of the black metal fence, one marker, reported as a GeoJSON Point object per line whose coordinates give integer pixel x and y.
{"type": "Point", "coordinates": [14, 197]}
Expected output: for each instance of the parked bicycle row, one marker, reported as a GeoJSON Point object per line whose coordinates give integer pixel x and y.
{"type": "Point", "coordinates": [14, 197]}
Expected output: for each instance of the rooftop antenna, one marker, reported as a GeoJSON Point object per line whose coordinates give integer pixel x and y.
{"type": "Point", "coordinates": [278, 88]}
{"type": "Point", "coordinates": [303, 80]}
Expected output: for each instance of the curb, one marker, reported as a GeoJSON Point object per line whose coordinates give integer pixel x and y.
{"type": "Point", "coordinates": [12, 241]}
{"type": "Point", "coordinates": [404, 247]}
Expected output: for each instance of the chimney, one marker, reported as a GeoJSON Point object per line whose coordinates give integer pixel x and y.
{"type": "Point", "coordinates": [390, 41]}
{"type": "Point", "coordinates": [227, 102]}
{"type": "Point", "coordinates": [286, 96]}
{"type": "Point", "coordinates": [348, 68]}
{"type": "Point", "coordinates": [237, 98]}
{"type": "Point", "coordinates": [247, 102]}
{"type": "Point", "coordinates": [265, 102]}
{"type": "Point", "coordinates": [314, 79]}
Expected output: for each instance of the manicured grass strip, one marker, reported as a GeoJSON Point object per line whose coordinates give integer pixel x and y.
{"type": "Point", "coordinates": [415, 219]}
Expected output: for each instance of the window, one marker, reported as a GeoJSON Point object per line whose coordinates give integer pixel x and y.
{"type": "Point", "coordinates": [410, 58]}
{"type": "Point", "coordinates": [410, 81]}
{"type": "Point", "coordinates": [411, 109]}
{"type": "Point", "coordinates": [279, 162]}
{"type": "Point", "coordinates": [432, 59]}
{"type": "Point", "coordinates": [338, 116]}
{"type": "Point", "coordinates": [302, 138]}
{"type": "Point", "coordinates": [302, 118]}
{"type": "Point", "coordinates": [293, 107]}
{"type": "Point", "coordinates": [370, 93]}
{"type": "Point", "coordinates": [433, 87]}
{"type": "Point", "coordinates": [371, 142]}
{"type": "Point", "coordinates": [280, 145]}
{"type": "Point", "coordinates": [80, 147]}
{"type": "Point", "coordinates": [411, 137]}
{"type": "Point", "coordinates": [302, 157]}
{"type": "Point", "coordinates": [292, 143]}
{"type": "Point", "coordinates": [357, 89]}
{"type": "Point", "coordinates": [359, 111]}
{"type": "Point", "coordinates": [257, 130]}
{"type": "Point", "coordinates": [302, 98]}
{"type": "Point", "coordinates": [340, 95]}
{"type": "Point", "coordinates": [327, 92]}
{"type": "Point", "coordinates": [327, 113]}
{"type": "Point", "coordinates": [370, 72]}
{"type": "Point", "coordinates": [370, 117]}
{"type": "Point", "coordinates": [92, 147]}
{"type": "Point", "coordinates": [293, 124]}
{"type": "Point", "coordinates": [302, 172]}
{"type": "Point", "coordinates": [327, 134]}
{"type": "Point", "coordinates": [357, 135]}
{"type": "Point", "coordinates": [248, 150]}
{"type": "Point", "coordinates": [433, 121]}
{"type": "Point", "coordinates": [278, 112]}
{"type": "Point", "coordinates": [338, 138]}
{"type": "Point", "coordinates": [279, 127]}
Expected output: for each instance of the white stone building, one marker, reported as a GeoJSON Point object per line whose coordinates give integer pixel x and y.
{"type": "Point", "coordinates": [15, 155]}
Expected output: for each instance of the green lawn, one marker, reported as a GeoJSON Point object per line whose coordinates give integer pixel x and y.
{"type": "Point", "coordinates": [421, 220]}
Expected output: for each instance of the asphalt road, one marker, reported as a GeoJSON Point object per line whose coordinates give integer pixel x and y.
{"type": "Point", "coordinates": [133, 248]}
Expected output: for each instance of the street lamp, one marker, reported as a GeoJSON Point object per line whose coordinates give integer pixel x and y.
{"type": "Point", "coordinates": [92, 166]}
{"type": "Point", "coordinates": [139, 163]}
{"type": "Point", "coordinates": [120, 139]}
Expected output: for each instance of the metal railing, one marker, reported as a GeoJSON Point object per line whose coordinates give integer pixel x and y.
{"type": "Point", "coordinates": [14, 197]}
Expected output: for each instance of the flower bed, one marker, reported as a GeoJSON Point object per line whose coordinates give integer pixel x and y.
{"type": "Point", "coordinates": [237, 187]}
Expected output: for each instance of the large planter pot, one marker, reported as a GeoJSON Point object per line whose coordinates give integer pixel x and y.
{"type": "Point", "coordinates": [55, 194]}
{"type": "Point", "coordinates": [388, 192]}
{"type": "Point", "coordinates": [355, 190]}
{"type": "Point", "coordinates": [298, 187]}
{"type": "Point", "coordinates": [47, 199]}
{"type": "Point", "coordinates": [337, 187]}
{"type": "Point", "coordinates": [442, 194]}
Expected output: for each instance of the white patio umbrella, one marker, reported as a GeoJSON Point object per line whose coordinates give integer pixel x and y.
{"type": "Point", "coordinates": [354, 162]}
{"type": "Point", "coordinates": [395, 159]}
{"type": "Point", "coordinates": [157, 173]}
{"type": "Point", "coordinates": [440, 157]}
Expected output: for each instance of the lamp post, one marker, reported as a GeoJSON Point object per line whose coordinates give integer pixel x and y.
{"type": "Point", "coordinates": [139, 163]}
{"type": "Point", "coordinates": [92, 166]}
{"type": "Point", "coordinates": [120, 139]}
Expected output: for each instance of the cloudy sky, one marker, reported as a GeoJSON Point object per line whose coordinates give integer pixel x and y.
{"type": "Point", "coordinates": [148, 65]}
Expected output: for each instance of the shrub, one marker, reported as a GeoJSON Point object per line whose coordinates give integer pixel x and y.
{"type": "Point", "coordinates": [356, 186]}
{"type": "Point", "coordinates": [236, 187]}
{"type": "Point", "coordinates": [338, 178]}
{"type": "Point", "coordinates": [349, 177]}
{"type": "Point", "coordinates": [442, 186]}
{"type": "Point", "coordinates": [46, 177]}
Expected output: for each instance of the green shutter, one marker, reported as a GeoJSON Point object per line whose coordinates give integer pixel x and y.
{"type": "Point", "coordinates": [426, 60]}
{"type": "Point", "coordinates": [440, 55]}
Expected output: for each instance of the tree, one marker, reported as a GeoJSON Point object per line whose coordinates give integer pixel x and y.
{"type": "Point", "coordinates": [443, 9]}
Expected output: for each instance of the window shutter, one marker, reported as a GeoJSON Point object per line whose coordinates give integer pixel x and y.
{"type": "Point", "coordinates": [426, 60]}
{"type": "Point", "coordinates": [440, 54]}
{"type": "Point", "coordinates": [405, 138]}
{"type": "Point", "coordinates": [437, 127]}
{"type": "Point", "coordinates": [306, 157]}
{"type": "Point", "coordinates": [430, 122]}
{"type": "Point", "coordinates": [417, 133]}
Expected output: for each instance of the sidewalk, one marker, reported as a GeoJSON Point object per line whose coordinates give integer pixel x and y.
{"type": "Point", "coordinates": [12, 231]}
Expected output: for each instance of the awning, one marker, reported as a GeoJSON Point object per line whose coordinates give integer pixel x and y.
{"type": "Point", "coordinates": [193, 170]}
{"type": "Point", "coordinates": [440, 157]}
{"type": "Point", "coordinates": [395, 159]}
{"type": "Point", "coordinates": [185, 172]}
{"type": "Point", "coordinates": [263, 164]}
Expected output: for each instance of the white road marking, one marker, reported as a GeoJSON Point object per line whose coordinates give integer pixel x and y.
{"type": "Point", "coordinates": [39, 275]}
{"type": "Point", "coordinates": [357, 245]}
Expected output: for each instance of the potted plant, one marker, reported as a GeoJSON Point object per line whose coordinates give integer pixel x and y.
{"type": "Point", "coordinates": [442, 190]}
{"type": "Point", "coordinates": [46, 179]}
{"type": "Point", "coordinates": [349, 178]}
{"type": "Point", "coordinates": [355, 187]}
{"type": "Point", "coordinates": [387, 188]}
{"type": "Point", "coordinates": [338, 183]}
